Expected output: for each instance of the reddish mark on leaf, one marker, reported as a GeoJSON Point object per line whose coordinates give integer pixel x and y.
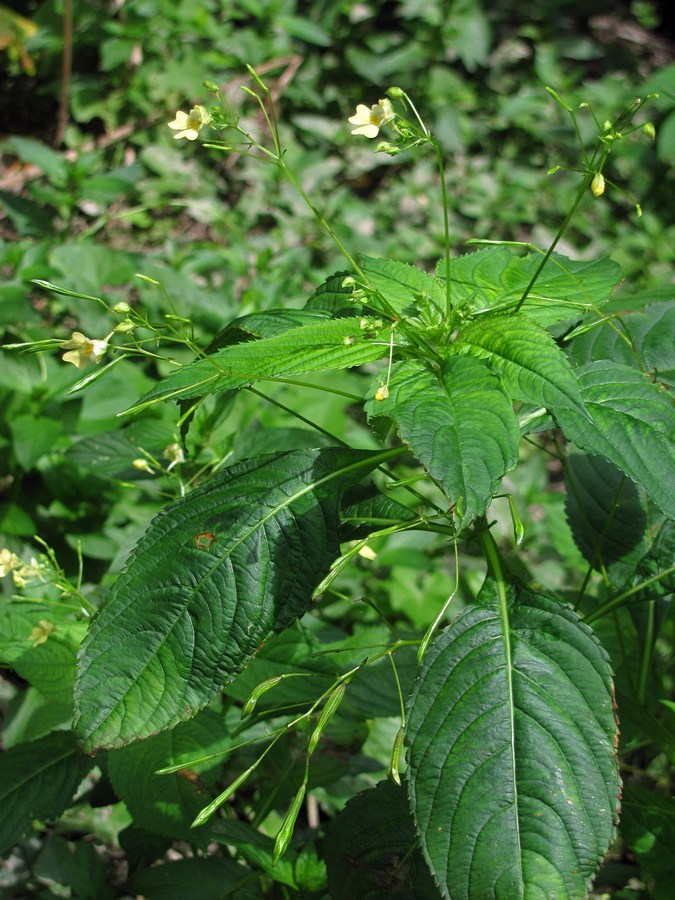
{"type": "Point", "coordinates": [204, 539]}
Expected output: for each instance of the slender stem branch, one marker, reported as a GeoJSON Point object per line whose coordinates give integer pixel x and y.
{"type": "Point", "coordinates": [446, 228]}
{"type": "Point", "coordinates": [624, 597]}
{"type": "Point", "coordinates": [563, 228]}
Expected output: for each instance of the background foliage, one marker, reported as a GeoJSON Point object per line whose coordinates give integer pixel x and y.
{"type": "Point", "coordinates": [218, 237]}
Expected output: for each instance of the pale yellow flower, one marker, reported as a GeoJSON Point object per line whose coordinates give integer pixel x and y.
{"type": "Point", "coordinates": [174, 452]}
{"type": "Point", "coordinates": [82, 350]}
{"type": "Point", "coordinates": [369, 121]}
{"type": "Point", "coordinates": [188, 125]}
{"type": "Point", "coordinates": [41, 632]}
{"type": "Point", "coordinates": [8, 562]}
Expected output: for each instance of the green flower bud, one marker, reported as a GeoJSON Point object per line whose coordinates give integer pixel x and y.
{"type": "Point", "coordinates": [386, 147]}
{"type": "Point", "coordinates": [649, 130]}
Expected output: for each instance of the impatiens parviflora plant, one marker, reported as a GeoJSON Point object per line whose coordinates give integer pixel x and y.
{"type": "Point", "coordinates": [503, 768]}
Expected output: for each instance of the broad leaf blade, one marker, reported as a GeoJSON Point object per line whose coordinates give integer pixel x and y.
{"type": "Point", "coordinates": [458, 422]}
{"type": "Point", "coordinates": [494, 278]}
{"type": "Point", "coordinates": [631, 422]}
{"type": "Point", "coordinates": [167, 804]}
{"type": "Point", "coordinates": [406, 289]}
{"type": "Point", "coordinates": [649, 333]}
{"type": "Point", "coordinates": [332, 344]}
{"type": "Point", "coordinates": [533, 367]}
{"type": "Point", "coordinates": [214, 576]}
{"type": "Point", "coordinates": [606, 515]}
{"type": "Point", "coordinates": [37, 780]}
{"type": "Point", "coordinates": [511, 734]}
{"type": "Point", "coordinates": [370, 850]}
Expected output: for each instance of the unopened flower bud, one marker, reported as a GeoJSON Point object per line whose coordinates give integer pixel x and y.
{"type": "Point", "coordinates": [598, 185]}
{"type": "Point", "coordinates": [395, 92]}
{"type": "Point", "coordinates": [124, 327]}
{"type": "Point", "coordinates": [649, 130]}
{"type": "Point", "coordinates": [211, 86]}
{"type": "Point", "coordinates": [122, 308]}
{"type": "Point", "coordinates": [386, 147]}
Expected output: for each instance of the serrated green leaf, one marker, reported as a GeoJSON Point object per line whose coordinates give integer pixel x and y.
{"type": "Point", "coordinates": [407, 290]}
{"type": "Point", "coordinates": [50, 666]}
{"type": "Point", "coordinates": [605, 514]}
{"type": "Point", "coordinates": [532, 366]}
{"type": "Point", "coordinates": [647, 334]}
{"type": "Point", "coordinates": [511, 735]}
{"type": "Point", "coordinates": [334, 344]}
{"type": "Point", "coordinates": [632, 424]}
{"type": "Point", "coordinates": [365, 509]}
{"type": "Point", "coordinates": [213, 877]}
{"type": "Point", "coordinates": [332, 296]}
{"type": "Point", "coordinates": [494, 278]}
{"type": "Point", "coordinates": [37, 781]}
{"type": "Point", "coordinates": [265, 324]}
{"type": "Point", "coordinates": [215, 575]}
{"type": "Point", "coordinates": [294, 652]}
{"type": "Point", "coordinates": [458, 422]}
{"type": "Point", "coordinates": [167, 804]}
{"type": "Point", "coordinates": [370, 850]}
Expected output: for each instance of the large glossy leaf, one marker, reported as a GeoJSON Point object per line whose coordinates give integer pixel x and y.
{"type": "Point", "coordinates": [632, 424]}
{"type": "Point", "coordinates": [167, 804]}
{"type": "Point", "coordinates": [212, 878]}
{"type": "Point", "coordinates": [37, 780]}
{"type": "Point", "coordinates": [458, 422]}
{"type": "Point", "coordinates": [646, 336]}
{"type": "Point", "coordinates": [332, 344]}
{"type": "Point", "coordinates": [606, 514]}
{"type": "Point", "coordinates": [511, 736]}
{"type": "Point", "coordinates": [214, 576]}
{"type": "Point", "coordinates": [494, 278]}
{"type": "Point", "coordinates": [370, 850]}
{"type": "Point", "coordinates": [532, 366]}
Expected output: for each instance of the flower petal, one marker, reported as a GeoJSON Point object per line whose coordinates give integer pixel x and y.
{"type": "Point", "coordinates": [369, 131]}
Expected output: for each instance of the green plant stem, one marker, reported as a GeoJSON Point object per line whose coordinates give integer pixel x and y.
{"type": "Point", "coordinates": [431, 630]}
{"type": "Point", "coordinates": [646, 657]}
{"type": "Point", "coordinates": [585, 184]}
{"type": "Point", "coordinates": [623, 598]}
{"type": "Point", "coordinates": [446, 228]}
{"type": "Point", "coordinates": [290, 174]}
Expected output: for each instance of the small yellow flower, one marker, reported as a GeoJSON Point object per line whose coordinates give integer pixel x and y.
{"type": "Point", "coordinates": [188, 125]}
{"type": "Point", "coordinates": [82, 350]}
{"type": "Point", "coordinates": [41, 632]}
{"type": "Point", "coordinates": [8, 562]}
{"type": "Point", "coordinates": [369, 121]}
{"type": "Point", "coordinates": [174, 452]}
